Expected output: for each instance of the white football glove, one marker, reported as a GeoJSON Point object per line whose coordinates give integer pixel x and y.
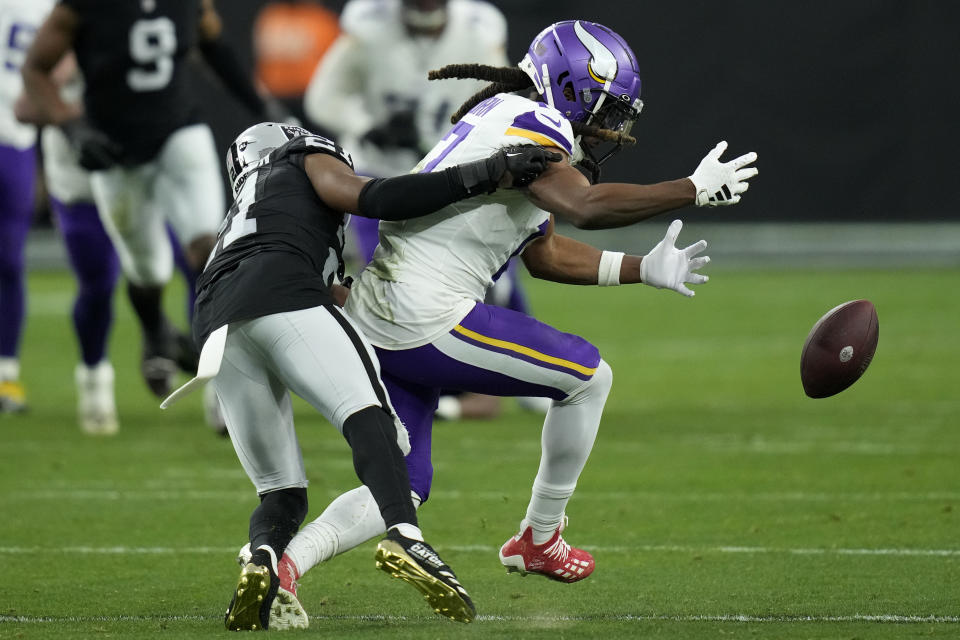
{"type": "Point", "coordinates": [667, 267]}
{"type": "Point", "coordinates": [721, 183]}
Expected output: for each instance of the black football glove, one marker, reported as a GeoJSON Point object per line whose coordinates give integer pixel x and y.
{"type": "Point", "coordinates": [524, 162]}
{"type": "Point", "coordinates": [398, 132]}
{"type": "Point", "coordinates": [95, 150]}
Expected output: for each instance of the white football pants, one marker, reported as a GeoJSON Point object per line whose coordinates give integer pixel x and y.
{"type": "Point", "coordinates": [316, 353]}
{"type": "Point", "coordinates": [182, 186]}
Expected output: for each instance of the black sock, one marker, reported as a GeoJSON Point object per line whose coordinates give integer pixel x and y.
{"type": "Point", "coordinates": [276, 520]}
{"type": "Point", "coordinates": [147, 304]}
{"type": "Point", "coordinates": [379, 463]}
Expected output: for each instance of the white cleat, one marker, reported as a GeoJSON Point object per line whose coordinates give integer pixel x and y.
{"type": "Point", "coordinates": [96, 405]}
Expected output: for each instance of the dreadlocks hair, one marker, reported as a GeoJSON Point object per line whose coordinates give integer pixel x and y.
{"type": "Point", "coordinates": [607, 135]}
{"type": "Point", "coordinates": [503, 79]}
{"type": "Point", "coordinates": [508, 80]}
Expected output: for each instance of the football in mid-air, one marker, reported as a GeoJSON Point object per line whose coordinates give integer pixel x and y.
{"type": "Point", "coordinates": [839, 348]}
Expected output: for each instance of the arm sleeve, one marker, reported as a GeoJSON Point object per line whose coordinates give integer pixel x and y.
{"type": "Point", "coordinates": [411, 195]}
{"type": "Point", "coordinates": [222, 60]}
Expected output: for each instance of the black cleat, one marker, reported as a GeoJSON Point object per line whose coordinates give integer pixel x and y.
{"type": "Point", "coordinates": [418, 564]}
{"type": "Point", "coordinates": [163, 356]}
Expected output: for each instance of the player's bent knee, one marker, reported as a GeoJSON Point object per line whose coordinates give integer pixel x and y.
{"type": "Point", "coordinates": [598, 386]}
{"type": "Point", "coordinates": [603, 378]}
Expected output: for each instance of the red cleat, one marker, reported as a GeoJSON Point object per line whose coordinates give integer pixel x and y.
{"type": "Point", "coordinates": [554, 559]}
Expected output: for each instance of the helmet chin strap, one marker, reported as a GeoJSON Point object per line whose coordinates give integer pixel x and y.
{"type": "Point", "coordinates": [603, 96]}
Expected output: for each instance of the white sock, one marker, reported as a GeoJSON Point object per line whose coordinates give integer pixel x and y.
{"type": "Point", "coordinates": [272, 553]}
{"type": "Point", "coordinates": [408, 530]}
{"type": "Point", "coordinates": [349, 521]}
{"type": "Point", "coordinates": [448, 408]}
{"type": "Point", "coordinates": [569, 431]}
{"type": "Point", "coordinates": [9, 369]}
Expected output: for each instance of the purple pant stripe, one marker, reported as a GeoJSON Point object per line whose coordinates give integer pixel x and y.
{"type": "Point", "coordinates": [520, 356]}
{"type": "Point", "coordinates": [511, 326]}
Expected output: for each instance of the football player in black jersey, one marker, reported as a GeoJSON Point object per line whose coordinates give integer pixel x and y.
{"type": "Point", "coordinates": [153, 160]}
{"type": "Point", "coordinates": [268, 320]}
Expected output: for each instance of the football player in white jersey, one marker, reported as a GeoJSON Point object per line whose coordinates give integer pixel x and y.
{"type": "Point", "coordinates": [419, 300]}
{"type": "Point", "coordinates": [19, 20]}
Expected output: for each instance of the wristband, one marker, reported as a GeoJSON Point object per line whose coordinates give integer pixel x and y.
{"type": "Point", "coordinates": [608, 275]}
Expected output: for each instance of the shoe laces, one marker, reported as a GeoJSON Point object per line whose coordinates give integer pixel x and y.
{"type": "Point", "coordinates": [559, 550]}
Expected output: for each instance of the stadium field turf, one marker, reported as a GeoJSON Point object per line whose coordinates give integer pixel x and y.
{"type": "Point", "coordinates": [719, 501]}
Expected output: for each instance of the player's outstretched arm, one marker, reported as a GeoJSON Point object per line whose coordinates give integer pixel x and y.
{"type": "Point", "coordinates": [561, 259]}
{"type": "Point", "coordinates": [413, 195]}
{"type": "Point", "coordinates": [564, 191]}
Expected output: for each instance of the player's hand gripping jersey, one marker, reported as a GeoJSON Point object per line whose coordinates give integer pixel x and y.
{"type": "Point", "coordinates": [446, 261]}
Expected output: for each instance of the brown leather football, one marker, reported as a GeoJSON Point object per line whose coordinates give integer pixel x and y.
{"type": "Point", "coordinates": [839, 348]}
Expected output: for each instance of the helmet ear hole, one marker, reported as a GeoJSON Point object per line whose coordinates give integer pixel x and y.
{"type": "Point", "coordinates": [569, 93]}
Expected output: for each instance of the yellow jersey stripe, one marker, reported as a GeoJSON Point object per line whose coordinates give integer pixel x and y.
{"type": "Point", "coordinates": [527, 351]}
{"type": "Point", "coordinates": [539, 138]}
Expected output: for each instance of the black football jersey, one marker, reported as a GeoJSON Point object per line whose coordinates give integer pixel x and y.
{"type": "Point", "coordinates": [133, 55]}
{"type": "Point", "coordinates": [279, 247]}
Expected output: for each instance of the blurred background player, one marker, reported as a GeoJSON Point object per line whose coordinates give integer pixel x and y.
{"type": "Point", "coordinates": [289, 40]}
{"type": "Point", "coordinates": [151, 159]}
{"type": "Point", "coordinates": [93, 261]}
{"type": "Point", "coordinates": [19, 20]}
{"type": "Point", "coordinates": [371, 92]}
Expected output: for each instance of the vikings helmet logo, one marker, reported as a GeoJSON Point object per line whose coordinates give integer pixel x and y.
{"type": "Point", "coordinates": [603, 65]}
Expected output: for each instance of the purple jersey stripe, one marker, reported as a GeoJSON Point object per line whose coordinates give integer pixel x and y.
{"type": "Point", "coordinates": [529, 122]}
{"type": "Point", "coordinates": [539, 233]}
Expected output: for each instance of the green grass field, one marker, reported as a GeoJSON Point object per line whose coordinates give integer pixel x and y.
{"type": "Point", "coordinates": [719, 501]}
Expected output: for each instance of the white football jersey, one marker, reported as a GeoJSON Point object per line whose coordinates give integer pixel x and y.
{"type": "Point", "coordinates": [428, 272]}
{"type": "Point", "coordinates": [19, 20]}
{"type": "Point", "coordinates": [377, 68]}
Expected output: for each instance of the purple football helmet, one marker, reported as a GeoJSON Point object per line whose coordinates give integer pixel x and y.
{"type": "Point", "coordinates": [588, 73]}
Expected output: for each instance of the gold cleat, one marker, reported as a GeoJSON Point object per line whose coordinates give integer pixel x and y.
{"type": "Point", "coordinates": [246, 611]}
{"type": "Point", "coordinates": [13, 398]}
{"type": "Point", "coordinates": [417, 564]}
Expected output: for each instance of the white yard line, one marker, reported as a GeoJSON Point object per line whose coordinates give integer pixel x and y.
{"type": "Point", "coordinates": [585, 494]}
{"type": "Point", "coordinates": [481, 548]}
{"type": "Point", "coordinates": [733, 617]}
